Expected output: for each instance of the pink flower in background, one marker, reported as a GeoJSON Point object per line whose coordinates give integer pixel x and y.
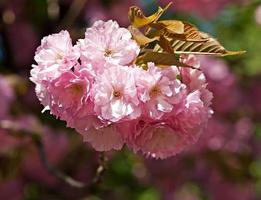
{"type": "Point", "coordinates": [222, 188]}
{"type": "Point", "coordinates": [22, 47]}
{"type": "Point", "coordinates": [6, 97]}
{"type": "Point", "coordinates": [115, 95]}
{"type": "Point", "coordinates": [218, 136]}
{"type": "Point", "coordinates": [158, 92]}
{"type": "Point", "coordinates": [258, 15]}
{"type": "Point", "coordinates": [11, 189]}
{"type": "Point", "coordinates": [106, 42]}
{"type": "Point", "coordinates": [202, 8]}
{"type": "Point", "coordinates": [222, 82]}
{"type": "Point", "coordinates": [253, 96]}
{"type": "Point", "coordinates": [116, 10]}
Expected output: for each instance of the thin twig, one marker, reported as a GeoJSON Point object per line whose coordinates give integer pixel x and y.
{"type": "Point", "coordinates": [36, 138]}
{"type": "Point", "coordinates": [101, 168]}
{"type": "Point", "coordinates": [53, 170]}
{"type": "Point", "coordinates": [72, 14]}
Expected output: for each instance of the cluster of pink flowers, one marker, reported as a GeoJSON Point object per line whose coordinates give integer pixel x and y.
{"type": "Point", "coordinates": [95, 87]}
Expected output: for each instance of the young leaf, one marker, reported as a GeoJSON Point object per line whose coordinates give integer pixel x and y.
{"type": "Point", "coordinates": [208, 47]}
{"type": "Point", "coordinates": [139, 37]}
{"type": "Point", "coordinates": [190, 33]}
{"type": "Point", "coordinates": [160, 59]}
{"type": "Point", "coordinates": [165, 44]}
{"type": "Point", "coordinates": [138, 19]}
{"type": "Point", "coordinates": [170, 26]}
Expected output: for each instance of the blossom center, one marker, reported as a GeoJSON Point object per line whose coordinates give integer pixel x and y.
{"type": "Point", "coordinates": [76, 89]}
{"type": "Point", "coordinates": [107, 52]}
{"type": "Point", "coordinates": [59, 56]}
{"type": "Point", "coordinates": [117, 94]}
{"type": "Point", "coordinates": [154, 91]}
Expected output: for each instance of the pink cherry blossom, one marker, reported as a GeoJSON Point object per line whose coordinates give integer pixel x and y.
{"type": "Point", "coordinates": [191, 114]}
{"type": "Point", "coordinates": [100, 134]}
{"type": "Point", "coordinates": [158, 92]}
{"type": "Point", "coordinates": [115, 95]}
{"type": "Point", "coordinates": [107, 42]}
{"type": "Point", "coordinates": [195, 78]}
{"type": "Point", "coordinates": [55, 56]}
{"type": "Point", "coordinates": [111, 102]}
{"type": "Point", "coordinates": [104, 139]}
{"type": "Point", "coordinates": [69, 93]}
{"type": "Point", "coordinates": [159, 141]}
{"type": "Point", "coordinates": [166, 138]}
{"type": "Point", "coordinates": [85, 118]}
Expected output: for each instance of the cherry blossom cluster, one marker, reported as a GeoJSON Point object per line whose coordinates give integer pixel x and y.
{"type": "Point", "coordinates": [98, 90]}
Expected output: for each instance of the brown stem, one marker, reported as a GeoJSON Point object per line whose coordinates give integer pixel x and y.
{"type": "Point", "coordinates": [101, 168]}
{"type": "Point", "coordinates": [15, 130]}
{"type": "Point", "coordinates": [72, 14]}
{"type": "Point", "coordinates": [53, 170]}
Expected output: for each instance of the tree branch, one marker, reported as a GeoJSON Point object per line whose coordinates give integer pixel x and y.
{"type": "Point", "coordinates": [72, 13]}
{"type": "Point", "coordinates": [36, 138]}
{"type": "Point", "coordinates": [101, 168]}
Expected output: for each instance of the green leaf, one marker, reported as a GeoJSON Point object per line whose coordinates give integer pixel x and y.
{"type": "Point", "coordinates": [149, 194]}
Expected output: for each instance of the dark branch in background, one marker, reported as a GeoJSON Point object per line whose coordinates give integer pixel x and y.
{"type": "Point", "coordinates": [53, 170]}
{"type": "Point", "coordinates": [72, 14]}
{"type": "Point", "coordinates": [14, 130]}
{"type": "Point", "coordinates": [101, 169]}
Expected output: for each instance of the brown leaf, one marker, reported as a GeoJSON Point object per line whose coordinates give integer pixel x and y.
{"type": "Point", "coordinates": [160, 59]}
{"type": "Point", "coordinates": [208, 47]}
{"type": "Point", "coordinates": [139, 37]}
{"type": "Point", "coordinates": [138, 19]}
{"type": "Point", "coordinates": [190, 33]}
{"type": "Point", "coordinates": [170, 26]}
{"type": "Point", "coordinates": [165, 44]}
